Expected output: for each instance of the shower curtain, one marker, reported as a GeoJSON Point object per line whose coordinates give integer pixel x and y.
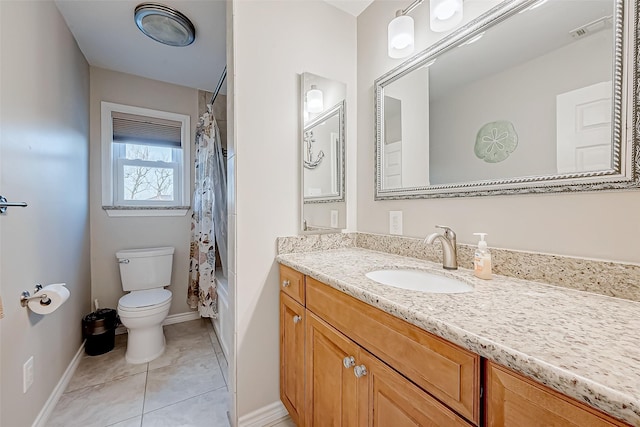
{"type": "Point", "coordinates": [209, 218]}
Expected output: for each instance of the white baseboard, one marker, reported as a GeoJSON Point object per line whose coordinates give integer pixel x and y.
{"type": "Point", "coordinates": [170, 320]}
{"type": "Point", "coordinates": [265, 416]}
{"type": "Point", "coordinates": [52, 401]}
{"type": "Point", "coordinates": [181, 317]}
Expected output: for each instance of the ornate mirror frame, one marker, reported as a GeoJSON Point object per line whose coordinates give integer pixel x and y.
{"type": "Point", "coordinates": [625, 124]}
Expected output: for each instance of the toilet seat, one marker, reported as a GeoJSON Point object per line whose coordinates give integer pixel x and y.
{"type": "Point", "coordinates": [139, 300]}
{"type": "Point", "coordinates": [144, 303]}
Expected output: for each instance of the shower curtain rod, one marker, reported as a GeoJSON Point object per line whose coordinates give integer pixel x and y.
{"type": "Point", "coordinates": [219, 86]}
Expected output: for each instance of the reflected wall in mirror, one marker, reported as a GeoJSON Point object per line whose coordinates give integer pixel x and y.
{"type": "Point", "coordinates": [532, 96]}
{"type": "Point", "coordinates": [322, 147]}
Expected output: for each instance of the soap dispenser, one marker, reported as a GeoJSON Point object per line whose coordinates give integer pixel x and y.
{"type": "Point", "coordinates": [482, 259]}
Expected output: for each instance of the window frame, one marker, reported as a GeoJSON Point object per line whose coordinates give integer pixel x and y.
{"type": "Point", "coordinates": [112, 199]}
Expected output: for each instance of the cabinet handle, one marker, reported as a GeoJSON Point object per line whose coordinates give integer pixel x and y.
{"type": "Point", "coordinates": [297, 319]}
{"type": "Point", "coordinates": [348, 361]}
{"type": "Point", "coordinates": [360, 371]}
{"type": "Point", "coordinates": [285, 283]}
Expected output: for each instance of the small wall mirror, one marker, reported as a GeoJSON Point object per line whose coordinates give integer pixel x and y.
{"type": "Point", "coordinates": [322, 148]}
{"type": "Point", "coordinates": [532, 96]}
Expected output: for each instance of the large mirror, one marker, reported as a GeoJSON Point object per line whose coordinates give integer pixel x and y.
{"type": "Point", "coordinates": [532, 96]}
{"type": "Point", "coordinates": [322, 148]}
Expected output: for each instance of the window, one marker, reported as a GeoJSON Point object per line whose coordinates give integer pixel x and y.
{"type": "Point", "coordinates": [145, 160]}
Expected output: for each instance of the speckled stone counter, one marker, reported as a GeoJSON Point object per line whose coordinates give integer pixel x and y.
{"type": "Point", "coordinates": [584, 345]}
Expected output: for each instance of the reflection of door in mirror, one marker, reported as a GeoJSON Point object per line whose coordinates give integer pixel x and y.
{"type": "Point", "coordinates": [322, 146]}
{"type": "Point", "coordinates": [584, 129]}
{"type": "Point", "coordinates": [406, 131]}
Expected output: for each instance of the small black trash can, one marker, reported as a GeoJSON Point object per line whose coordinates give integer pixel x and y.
{"type": "Point", "coordinates": [99, 329]}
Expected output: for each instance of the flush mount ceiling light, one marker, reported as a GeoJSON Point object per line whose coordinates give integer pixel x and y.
{"type": "Point", "coordinates": [315, 102]}
{"type": "Point", "coordinates": [164, 24]}
{"type": "Point", "coordinates": [444, 14]}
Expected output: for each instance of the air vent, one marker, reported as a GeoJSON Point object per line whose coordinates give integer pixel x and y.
{"type": "Point", "coordinates": [600, 24]}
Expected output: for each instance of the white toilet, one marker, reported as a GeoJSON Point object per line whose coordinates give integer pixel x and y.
{"type": "Point", "coordinates": [145, 272]}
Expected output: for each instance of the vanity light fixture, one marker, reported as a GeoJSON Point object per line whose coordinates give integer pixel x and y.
{"type": "Point", "coordinates": [400, 36]}
{"type": "Point", "coordinates": [315, 103]}
{"type": "Point", "coordinates": [444, 15]}
{"type": "Point", "coordinates": [164, 24]}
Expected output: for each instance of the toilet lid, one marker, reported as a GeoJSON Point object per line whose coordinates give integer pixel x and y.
{"type": "Point", "coordinates": [146, 298]}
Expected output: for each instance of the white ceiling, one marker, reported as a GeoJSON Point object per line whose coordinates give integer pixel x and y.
{"type": "Point", "coordinates": [108, 37]}
{"type": "Point", "coordinates": [353, 7]}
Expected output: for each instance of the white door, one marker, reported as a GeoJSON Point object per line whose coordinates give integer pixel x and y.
{"type": "Point", "coordinates": [392, 161]}
{"type": "Point", "coordinates": [584, 129]}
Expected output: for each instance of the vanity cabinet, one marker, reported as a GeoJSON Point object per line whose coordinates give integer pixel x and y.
{"type": "Point", "coordinates": [514, 400]}
{"type": "Point", "coordinates": [292, 336]}
{"type": "Point", "coordinates": [355, 363]}
{"type": "Point", "coordinates": [346, 363]}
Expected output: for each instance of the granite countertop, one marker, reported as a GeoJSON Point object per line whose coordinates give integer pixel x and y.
{"type": "Point", "coordinates": [581, 344]}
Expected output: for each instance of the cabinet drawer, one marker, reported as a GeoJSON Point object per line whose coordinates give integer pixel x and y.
{"type": "Point", "coordinates": [513, 400]}
{"type": "Point", "coordinates": [448, 372]}
{"type": "Point", "coordinates": [292, 283]}
{"type": "Point", "coordinates": [392, 400]}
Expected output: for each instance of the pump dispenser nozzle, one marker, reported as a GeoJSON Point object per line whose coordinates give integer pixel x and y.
{"type": "Point", "coordinates": [482, 244]}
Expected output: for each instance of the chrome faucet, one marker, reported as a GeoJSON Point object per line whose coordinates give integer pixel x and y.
{"type": "Point", "coordinates": [449, 251]}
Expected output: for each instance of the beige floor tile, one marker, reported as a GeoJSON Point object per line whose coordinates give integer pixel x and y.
{"type": "Point", "coordinates": [181, 349]}
{"type": "Point", "coordinates": [94, 370]}
{"type": "Point", "coordinates": [131, 422]}
{"type": "Point", "coordinates": [205, 410]}
{"type": "Point", "coordinates": [100, 405]}
{"type": "Point", "coordinates": [172, 384]}
{"type": "Point", "coordinates": [199, 327]}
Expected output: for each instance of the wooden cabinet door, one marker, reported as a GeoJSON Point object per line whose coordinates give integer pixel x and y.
{"type": "Point", "coordinates": [515, 401]}
{"type": "Point", "coordinates": [391, 400]}
{"type": "Point", "coordinates": [330, 386]}
{"type": "Point", "coordinates": [292, 330]}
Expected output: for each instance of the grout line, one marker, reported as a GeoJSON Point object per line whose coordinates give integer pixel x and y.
{"type": "Point", "coordinates": [184, 400]}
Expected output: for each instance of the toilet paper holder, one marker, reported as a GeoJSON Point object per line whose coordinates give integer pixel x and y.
{"type": "Point", "coordinates": [25, 297]}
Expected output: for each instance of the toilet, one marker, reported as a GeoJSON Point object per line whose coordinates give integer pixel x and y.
{"type": "Point", "coordinates": [144, 274]}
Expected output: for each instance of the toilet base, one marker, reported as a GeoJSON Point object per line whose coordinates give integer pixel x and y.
{"type": "Point", "coordinates": [145, 344]}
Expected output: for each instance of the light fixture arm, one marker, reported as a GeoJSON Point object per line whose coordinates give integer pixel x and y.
{"type": "Point", "coordinates": [409, 8]}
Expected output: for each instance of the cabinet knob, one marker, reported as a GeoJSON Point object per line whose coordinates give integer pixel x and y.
{"type": "Point", "coordinates": [360, 371]}
{"type": "Point", "coordinates": [297, 319]}
{"type": "Point", "coordinates": [348, 361]}
{"type": "Point", "coordinates": [285, 283]}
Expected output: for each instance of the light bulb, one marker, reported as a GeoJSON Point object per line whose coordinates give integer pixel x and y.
{"type": "Point", "coordinates": [315, 103]}
{"type": "Point", "coordinates": [400, 37]}
{"type": "Point", "coordinates": [444, 14]}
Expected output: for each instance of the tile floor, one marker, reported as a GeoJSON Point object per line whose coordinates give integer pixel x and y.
{"type": "Point", "coordinates": [186, 386]}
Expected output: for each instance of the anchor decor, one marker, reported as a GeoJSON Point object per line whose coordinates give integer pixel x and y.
{"type": "Point", "coordinates": [309, 163]}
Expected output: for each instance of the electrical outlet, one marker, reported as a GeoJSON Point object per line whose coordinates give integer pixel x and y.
{"type": "Point", "coordinates": [334, 218]}
{"type": "Point", "coordinates": [27, 374]}
{"type": "Point", "coordinates": [395, 222]}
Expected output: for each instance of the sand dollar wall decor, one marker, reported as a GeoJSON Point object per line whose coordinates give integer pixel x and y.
{"type": "Point", "coordinates": [496, 141]}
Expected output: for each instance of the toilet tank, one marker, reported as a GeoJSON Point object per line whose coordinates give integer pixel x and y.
{"type": "Point", "coordinates": [145, 268]}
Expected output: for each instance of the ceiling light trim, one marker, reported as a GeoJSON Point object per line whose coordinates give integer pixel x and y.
{"type": "Point", "coordinates": [175, 17]}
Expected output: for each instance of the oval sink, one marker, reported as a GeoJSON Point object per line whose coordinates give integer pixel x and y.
{"type": "Point", "coordinates": [417, 280]}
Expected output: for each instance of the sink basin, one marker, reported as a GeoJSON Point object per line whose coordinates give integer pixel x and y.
{"type": "Point", "coordinates": [417, 280]}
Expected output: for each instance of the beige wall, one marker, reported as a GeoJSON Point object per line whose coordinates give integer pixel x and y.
{"type": "Point", "coordinates": [596, 225]}
{"type": "Point", "coordinates": [110, 234]}
{"type": "Point", "coordinates": [44, 92]}
{"type": "Point", "coordinates": [274, 42]}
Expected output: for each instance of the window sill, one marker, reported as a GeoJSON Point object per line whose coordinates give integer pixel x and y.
{"type": "Point", "coordinates": [120, 211]}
